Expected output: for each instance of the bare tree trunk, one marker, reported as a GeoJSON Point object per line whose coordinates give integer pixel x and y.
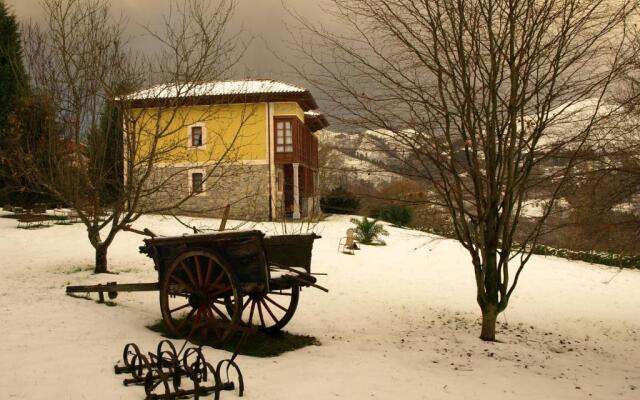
{"type": "Point", "coordinates": [101, 259]}
{"type": "Point", "coordinates": [489, 319]}
{"type": "Point", "coordinates": [488, 293]}
{"type": "Point", "coordinates": [101, 248]}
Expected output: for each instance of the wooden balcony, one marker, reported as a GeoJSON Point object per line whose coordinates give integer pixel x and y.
{"type": "Point", "coordinates": [293, 143]}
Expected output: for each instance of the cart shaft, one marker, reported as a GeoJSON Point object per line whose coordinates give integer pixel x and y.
{"type": "Point", "coordinates": [112, 288]}
{"type": "Point", "coordinates": [115, 287]}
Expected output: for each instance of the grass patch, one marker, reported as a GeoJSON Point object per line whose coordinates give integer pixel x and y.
{"type": "Point", "coordinates": [255, 345]}
{"type": "Point", "coordinates": [38, 226]}
{"type": "Point", "coordinates": [76, 269]}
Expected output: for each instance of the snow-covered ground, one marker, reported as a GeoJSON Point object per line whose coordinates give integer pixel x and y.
{"type": "Point", "coordinates": [400, 322]}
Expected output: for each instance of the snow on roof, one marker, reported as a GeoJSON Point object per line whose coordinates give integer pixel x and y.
{"type": "Point", "coordinates": [315, 120]}
{"type": "Point", "coordinates": [216, 88]}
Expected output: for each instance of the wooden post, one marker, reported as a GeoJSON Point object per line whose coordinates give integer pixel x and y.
{"type": "Point", "coordinates": [225, 217]}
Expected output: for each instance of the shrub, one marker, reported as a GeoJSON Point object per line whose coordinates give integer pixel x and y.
{"type": "Point", "coordinates": [397, 215]}
{"type": "Point", "coordinates": [368, 231]}
{"type": "Point", "coordinates": [339, 201]}
{"type": "Point", "coordinates": [595, 257]}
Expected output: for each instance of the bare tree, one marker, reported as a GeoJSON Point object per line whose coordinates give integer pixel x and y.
{"type": "Point", "coordinates": [474, 99]}
{"type": "Point", "coordinates": [101, 154]}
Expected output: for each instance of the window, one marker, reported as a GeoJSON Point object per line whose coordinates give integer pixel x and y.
{"type": "Point", "coordinates": [196, 136]}
{"type": "Point", "coordinates": [196, 181]}
{"type": "Point", "coordinates": [197, 185]}
{"type": "Point", "coordinates": [284, 137]}
{"type": "Point", "coordinates": [197, 139]}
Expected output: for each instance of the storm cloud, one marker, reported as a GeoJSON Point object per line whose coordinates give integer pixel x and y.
{"type": "Point", "coordinates": [265, 24]}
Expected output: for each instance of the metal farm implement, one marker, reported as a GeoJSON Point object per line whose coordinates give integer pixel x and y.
{"type": "Point", "coordinates": [212, 285]}
{"type": "Point", "coordinates": [168, 374]}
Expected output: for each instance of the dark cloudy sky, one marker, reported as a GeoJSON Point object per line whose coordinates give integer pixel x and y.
{"type": "Point", "coordinates": [263, 20]}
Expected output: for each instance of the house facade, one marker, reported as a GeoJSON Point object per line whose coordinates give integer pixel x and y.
{"type": "Point", "coordinates": [248, 143]}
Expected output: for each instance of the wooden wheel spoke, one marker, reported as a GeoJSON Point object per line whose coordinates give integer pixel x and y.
{"type": "Point", "coordinates": [253, 307]}
{"type": "Point", "coordinates": [246, 303]}
{"type": "Point", "coordinates": [275, 304]}
{"type": "Point", "coordinates": [208, 276]}
{"type": "Point", "coordinates": [217, 310]}
{"type": "Point", "coordinates": [186, 319]}
{"type": "Point", "coordinates": [198, 278]}
{"type": "Point", "coordinates": [182, 283]}
{"type": "Point", "coordinates": [210, 316]}
{"type": "Point", "coordinates": [224, 289]}
{"type": "Point", "coordinates": [216, 281]}
{"type": "Point", "coordinates": [196, 319]}
{"type": "Point", "coordinates": [266, 307]}
{"type": "Point", "coordinates": [189, 274]}
{"type": "Point", "coordinates": [179, 308]}
{"type": "Point", "coordinates": [260, 313]}
{"type": "Point", "coordinates": [199, 272]}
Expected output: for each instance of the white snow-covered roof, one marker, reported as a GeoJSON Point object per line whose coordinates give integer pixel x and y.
{"type": "Point", "coordinates": [215, 88]}
{"type": "Point", "coordinates": [315, 120]}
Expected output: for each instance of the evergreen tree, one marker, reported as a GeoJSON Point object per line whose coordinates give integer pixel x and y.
{"type": "Point", "coordinates": [12, 83]}
{"type": "Point", "coordinates": [12, 74]}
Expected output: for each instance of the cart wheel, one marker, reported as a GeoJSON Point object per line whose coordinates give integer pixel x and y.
{"type": "Point", "coordinates": [269, 312]}
{"type": "Point", "coordinates": [193, 297]}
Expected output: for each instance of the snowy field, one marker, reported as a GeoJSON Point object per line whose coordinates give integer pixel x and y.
{"type": "Point", "coordinates": [400, 322]}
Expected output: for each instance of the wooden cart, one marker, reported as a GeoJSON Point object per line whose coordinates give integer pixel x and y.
{"type": "Point", "coordinates": [212, 284]}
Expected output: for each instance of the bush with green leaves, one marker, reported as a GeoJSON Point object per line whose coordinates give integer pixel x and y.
{"type": "Point", "coordinates": [397, 215]}
{"type": "Point", "coordinates": [368, 231]}
{"type": "Point", "coordinates": [339, 201]}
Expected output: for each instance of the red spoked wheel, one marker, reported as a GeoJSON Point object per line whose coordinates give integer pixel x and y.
{"type": "Point", "coordinates": [271, 311]}
{"type": "Point", "coordinates": [198, 297]}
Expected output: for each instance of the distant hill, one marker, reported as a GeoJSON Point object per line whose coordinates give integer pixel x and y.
{"type": "Point", "coordinates": [354, 157]}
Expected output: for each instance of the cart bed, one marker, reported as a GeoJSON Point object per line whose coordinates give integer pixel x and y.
{"type": "Point", "coordinates": [243, 251]}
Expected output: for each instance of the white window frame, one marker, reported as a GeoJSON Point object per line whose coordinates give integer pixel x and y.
{"type": "Point", "coordinates": [204, 181]}
{"type": "Point", "coordinates": [286, 147]}
{"type": "Point", "coordinates": [190, 137]}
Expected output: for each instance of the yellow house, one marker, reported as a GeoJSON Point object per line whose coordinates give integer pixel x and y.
{"type": "Point", "coordinates": [247, 143]}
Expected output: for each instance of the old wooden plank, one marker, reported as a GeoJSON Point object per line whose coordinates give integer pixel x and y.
{"type": "Point", "coordinates": [115, 287]}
